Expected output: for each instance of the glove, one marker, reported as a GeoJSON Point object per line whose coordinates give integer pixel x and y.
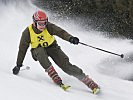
{"type": "Point", "coordinates": [16, 69]}
{"type": "Point", "coordinates": [74, 40]}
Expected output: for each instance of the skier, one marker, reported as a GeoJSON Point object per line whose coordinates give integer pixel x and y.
{"type": "Point", "coordinates": [40, 35]}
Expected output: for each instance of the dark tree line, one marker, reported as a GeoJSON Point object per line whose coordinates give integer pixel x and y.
{"type": "Point", "coordinates": [112, 16]}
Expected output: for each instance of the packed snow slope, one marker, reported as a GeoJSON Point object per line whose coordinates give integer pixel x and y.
{"type": "Point", "coordinates": [112, 73]}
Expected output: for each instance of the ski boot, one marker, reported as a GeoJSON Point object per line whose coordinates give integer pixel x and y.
{"type": "Point", "coordinates": [91, 84]}
{"type": "Point", "coordinates": [55, 77]}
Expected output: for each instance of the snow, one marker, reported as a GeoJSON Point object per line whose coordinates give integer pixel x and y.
{"type": "Point", "coordinates": [111, 72]}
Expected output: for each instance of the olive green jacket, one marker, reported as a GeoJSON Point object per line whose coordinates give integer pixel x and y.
{"type": "Point", "coordinates": [25, 39]}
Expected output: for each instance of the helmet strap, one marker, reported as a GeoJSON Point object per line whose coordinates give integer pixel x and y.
{"type": "Point", "coordinates": [36, 24]}
{"type": "Point", "coordinates": [34, 21]}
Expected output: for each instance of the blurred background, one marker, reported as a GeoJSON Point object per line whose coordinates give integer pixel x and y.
{"type": "Point", "coordinates": [113, 17]}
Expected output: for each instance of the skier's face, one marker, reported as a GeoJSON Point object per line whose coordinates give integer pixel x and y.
{"type": "Point", "coordinates": [41, 25]}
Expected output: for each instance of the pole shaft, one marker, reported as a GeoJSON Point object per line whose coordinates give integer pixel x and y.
{"type": "Point", "coordinates": [101, 49]}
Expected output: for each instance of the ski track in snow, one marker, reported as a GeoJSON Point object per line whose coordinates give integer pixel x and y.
{"type": "Point", "coordinates": [109, 71]}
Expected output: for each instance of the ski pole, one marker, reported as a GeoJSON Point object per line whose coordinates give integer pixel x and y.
{"type": "Point", "coordinates": [121, 55]}
{"type": "Point", "coordinates": [27, 68]}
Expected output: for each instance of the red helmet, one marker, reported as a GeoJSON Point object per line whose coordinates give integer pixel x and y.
{"type": "Point", "coordinates": [39, 16]}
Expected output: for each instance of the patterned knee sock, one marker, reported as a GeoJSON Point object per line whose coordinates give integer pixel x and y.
{"type": "Point", "coordinates": [54, 75]}
{"type": "Point", "coordinates": [89, 82]}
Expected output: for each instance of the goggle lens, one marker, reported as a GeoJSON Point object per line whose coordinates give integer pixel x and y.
{"type": "Point", "coordinates": [41, 23]}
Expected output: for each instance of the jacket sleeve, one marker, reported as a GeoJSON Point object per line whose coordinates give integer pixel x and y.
{"type": "Point", "coordinates": [55, 30]}
{"type": "Point", "coordinates": [23, 46]}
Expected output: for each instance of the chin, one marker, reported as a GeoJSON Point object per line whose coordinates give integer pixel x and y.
{"type": "Point", "coordinates": [41, 29]}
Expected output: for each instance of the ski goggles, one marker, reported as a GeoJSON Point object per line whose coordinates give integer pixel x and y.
{"type": "Point", "coordinates": [42, 23]}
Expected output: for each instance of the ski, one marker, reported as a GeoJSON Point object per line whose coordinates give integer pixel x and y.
{"type": "Point", "coordinates": [65, 87]}
{"type": "Point", "coordinates": [96, 91]}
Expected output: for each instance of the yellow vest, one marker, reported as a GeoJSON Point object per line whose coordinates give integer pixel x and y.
{"type": "Point", "coordinates": [44, 38]}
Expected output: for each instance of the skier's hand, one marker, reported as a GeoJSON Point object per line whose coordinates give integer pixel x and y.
{"type": "Point", "coordinates": [74, 40]}
{"type": "Point", "coordinates": [16, 70]}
